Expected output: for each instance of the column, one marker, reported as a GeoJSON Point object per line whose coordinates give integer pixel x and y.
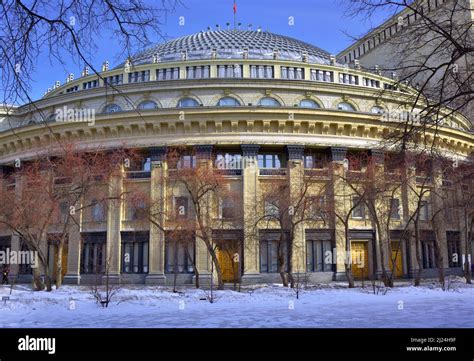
{"type": "Point", "coordinates": [409, 200]}
{"type": "Point", "coordinates": [158, 197]}
{"type": "Point", "coordinates": [296, 184]}
{"type": "Point", "coordinates": [73, 275]}
{"type": "Point", "coordinates": [113, 259]}
{"type": "Point", "coordinates": [336, 168]}
{"type": "Point", "coordinates": [251, 271]}
{"type": "Point", "coordinates": [203, 258]}
{"type": "Point", "coordinates": [439, 202]}
{"type": "Point", "coordinates": [381, 240]}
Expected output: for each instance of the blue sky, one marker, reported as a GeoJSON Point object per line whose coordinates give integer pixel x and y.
{"type": "Point", "coordinates": [323, 23]}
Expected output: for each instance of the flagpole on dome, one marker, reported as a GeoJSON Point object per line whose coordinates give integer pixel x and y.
{"type": "Point", "coordinates": [235, 14]}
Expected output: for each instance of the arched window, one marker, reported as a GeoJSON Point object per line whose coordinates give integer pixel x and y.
{"type": "Point", "coordinates": [269, 102]}
{"type": "Point", "coordinates": [377, 110]}
{"type": "Point", "coordinates": [51, 118]}
{"type": "Point", "coordinates": [112, 108]}
{"type": "Point", "coordinates": [346, 106]}
{"type": "Point", "coordinates": [308, 103]}
{"type": "Point", "coordinates": [147, 104]}
{"type": "Point", "coordinates": [228, 102]}
{"type": "Point", "coordinates": [187, 103]}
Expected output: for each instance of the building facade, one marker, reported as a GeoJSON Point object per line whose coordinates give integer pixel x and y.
{"type": "Point", "coordinates": [229, 93]}
{"type": "Point", "coordinates": [402, 44]}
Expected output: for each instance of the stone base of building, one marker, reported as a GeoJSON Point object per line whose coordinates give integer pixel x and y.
{"type": "Point", "coordinates": [155, 279]}
{"type": "Point", "coordinates": [112, 279]}
{"type": "Point", "coordinates": [72, 279]}
{"type": "Point", "coordinates": [251, 278]}
{"type": "Point", "coordinates": [204, 279]}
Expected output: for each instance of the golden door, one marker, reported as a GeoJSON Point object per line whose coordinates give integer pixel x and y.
{"type": "Point", "coordinates": [397, 257]}
{"type": "Point", "coordinates": [360, 260]}
{"type": "Point", "coordinates": [228, 268]}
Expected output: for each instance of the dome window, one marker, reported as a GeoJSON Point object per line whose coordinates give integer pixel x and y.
{"type": "Point", "coordinates": [112, 108]}
{"type": "Point", "coordinates": [187, 103]}
{"type": "Point", "coordinates": [377, 110]}
{"type": "Point", "coordinates": [228, 102]}
{"type": "Point", "coordinates": [308, 103]}
{"type": "Point", "coordinates": [147, 105]}
{"type": "Point", "coordinates": [346, 107]}
{"type": "Point", "coordinates": [269, 102]}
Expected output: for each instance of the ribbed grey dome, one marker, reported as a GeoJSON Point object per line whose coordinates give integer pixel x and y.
{"type": "Point", "coordinates": [230, 44]}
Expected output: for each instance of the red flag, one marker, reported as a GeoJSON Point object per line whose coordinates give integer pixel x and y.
{"type": "Point", "coordinates": [235, 7]}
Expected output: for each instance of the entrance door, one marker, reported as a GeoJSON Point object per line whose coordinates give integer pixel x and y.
{"type": "Point", "coordinates": [360, 260]}
{"type": "Point", "coordinates": [397, 260]}
{"type": "Point", "coordinates": [228, 263]}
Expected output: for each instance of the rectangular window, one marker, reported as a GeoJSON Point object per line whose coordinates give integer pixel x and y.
{"type": "Point", "coordinates": [395, 208]}
{"type": "Point", "coordinates": [97, 211]}
{"type": "Point", "coordinates": [5, 243]}
{"type": "Point", "coordinates": [24, 268]}
{"type": "Point", "coordinates": [269, 251]}
{"type": "Point", "coordinates": [261, 71]}
{"type": "Point", "coordinates": [90, 84]}
{"type": "Point", "coordinates": [135, 252]}
{"type": "Point", "coordinates": [63, 212]}
{"type": "Point", "coordinates": [316, 208]}
{"type": "Point", "coordinates": [321, 75]}
{"type": "Point", "coordinates": [454, 249]}
{"type": "Point", "coordinates": [179, 256]}
{"type": "Point", "coordinates": [113, 80]}
{"type": "Point", "coordinates": [269, 161]}
{"type": "Point", "coordinates": [358, 212]}
{"type": "Point", "coordinates": [135, 211]}
{"type": "Point", "coordinates": [186, 162]}
{"type": "Point", "coordinates": [271, 208]}
{"type": "Point", "coordinates": [72, 89]}
{"type": "Point", "coordinates": [371, 82]}
{"type": "Point", "coordinates": [292, 73]}
{"type": "Point", "coordinates": [316, 256]}
{"type": "Point", "coordinates": [198, 72]}
{"type": "Point", "coordinates": [229, 71]}
{"type": "Point", "coordinates": [315, 161]}
{"type": "Point", "coordinates": [428, 254]}
{"type": "Point", "coordinates": [348, 79]}
{"type": "Point", "coordinates": [167, 74]}
{"type": "Point", "coordinates": [139, 76]}
{"type": "Point", "coordinates": [424, 211]}
{"type": "Point", "coordinates": [181, 207]}
{"type": "Point", "coordinates": [227, 208]}
{"type": "Point", "coordinates": [93, 252]}
{"type": "Point", "coordinates": [228, 161]}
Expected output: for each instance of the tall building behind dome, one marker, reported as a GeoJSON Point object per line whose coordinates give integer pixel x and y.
{"type": "Point", "coordinates": [291, 109]}
{"type": "Point", "coordinates": [409, 44]}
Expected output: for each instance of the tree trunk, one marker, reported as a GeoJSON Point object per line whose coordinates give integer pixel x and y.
{"type": "Point", "coordinates": [38, 283]}
{"type": "Point", "coordinates": [439, 265]}
{"type": "Point", "coordinates": [215, 261]}
{"type": "Point", "coordinates": [281, 270]}
{"type": "Point", "coordinates": [419, 261]}
{"type": "Point", "coordinates": [59, 265]}
{"type": "Point", "coordinates": [196, 274]}
{"type": "Point", "coordinates": [349, 275]}
{"type": "Point", "coordinates": [348, 262]}
{"type": "Point", "coordinates": [467, 265]}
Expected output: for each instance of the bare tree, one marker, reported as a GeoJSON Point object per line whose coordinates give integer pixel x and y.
{"type": "Point", "coordinates": [52, 191]}
{"type": "Point", "coordinates": [432, 51]}
{"type": "Point", "coordinates": [287, 205]}
{"type": "Point", "coordinates": [71, 28]}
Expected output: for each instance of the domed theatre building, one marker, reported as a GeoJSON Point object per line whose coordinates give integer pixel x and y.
{"type": "Point", "coordinates": [288, 108]}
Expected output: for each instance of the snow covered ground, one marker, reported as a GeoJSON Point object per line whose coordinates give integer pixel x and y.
{"type": "Point", "coordinates": [262, 306]}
